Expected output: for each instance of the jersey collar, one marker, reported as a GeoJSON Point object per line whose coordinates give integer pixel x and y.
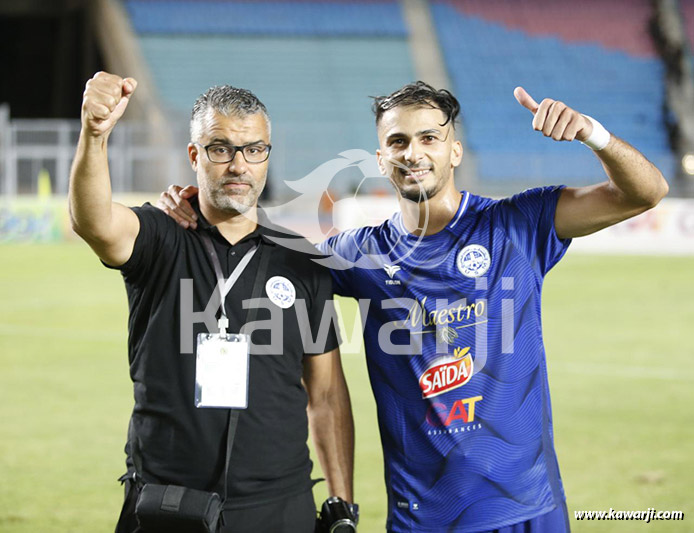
{"type": "Point", "coordinates": [462, 208]}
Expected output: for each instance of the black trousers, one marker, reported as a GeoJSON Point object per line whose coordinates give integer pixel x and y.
{"type": "Point", "coordinates": [294, 514]}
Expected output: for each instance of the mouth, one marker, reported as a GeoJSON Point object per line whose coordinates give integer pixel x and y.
{"type": "Point", "coordinates": [416, 174]}
{"type": "Point", "coordinates": [236, 186]}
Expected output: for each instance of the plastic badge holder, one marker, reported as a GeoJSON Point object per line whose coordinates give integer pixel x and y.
{"type": "Point", "coordinates": [221, 370]}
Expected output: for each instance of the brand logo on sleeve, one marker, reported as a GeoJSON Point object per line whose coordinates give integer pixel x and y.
{"type": "Point", "coordinates": [281, 291]}
{"type": "Point", "coordinates": [447, 373]}
{"type": "Point", "coordinates": [473, 261]}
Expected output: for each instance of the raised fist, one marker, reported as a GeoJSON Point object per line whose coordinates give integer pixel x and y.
{"type": "Point", "coordinates": [104, 101]}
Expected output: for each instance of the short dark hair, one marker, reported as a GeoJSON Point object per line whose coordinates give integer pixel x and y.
{"type": "Point", "coordinates": [228, 101]}
{"type": "Point", "coordinates": [418, 94]}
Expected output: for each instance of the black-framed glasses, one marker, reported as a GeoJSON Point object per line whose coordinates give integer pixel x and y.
{"type": "Point", "coordinates": [224, 153]}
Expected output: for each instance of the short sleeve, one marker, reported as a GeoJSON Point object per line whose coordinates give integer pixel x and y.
{"type": "Point", "coordinates": [154, 228]}
{"type": "Point", "coordinates": [321, 312]}
{"type": "Point", "coordinates": [340, 258]}
{"type": "Point", "coordinates": [528, 218]}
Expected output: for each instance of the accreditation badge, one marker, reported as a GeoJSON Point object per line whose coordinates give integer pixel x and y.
{"type": "Point", "coordinates": [221, 370]}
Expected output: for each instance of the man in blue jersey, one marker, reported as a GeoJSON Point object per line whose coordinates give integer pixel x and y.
{"type": "Point", "coordinates": [451, 286]}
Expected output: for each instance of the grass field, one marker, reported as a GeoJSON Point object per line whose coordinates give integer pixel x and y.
{"type": "Point", "coordinates": [621, 359]}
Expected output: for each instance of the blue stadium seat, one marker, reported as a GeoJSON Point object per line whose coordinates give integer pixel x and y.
{"type": "Point", "coordinates": [266, 18]}
{"type": "Point", "coordinates": [487, 60]}
{"type": "Point", "coordinates": [278, 50]}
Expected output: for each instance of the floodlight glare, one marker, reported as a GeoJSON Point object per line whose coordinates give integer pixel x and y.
{"type": "Point", "coordinates": [688, 164]}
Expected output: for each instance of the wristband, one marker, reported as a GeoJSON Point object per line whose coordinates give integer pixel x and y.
{"type": "Point", "coordinates": [599, 138]}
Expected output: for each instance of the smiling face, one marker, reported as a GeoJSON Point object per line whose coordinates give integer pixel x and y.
{"type": "Point", "coordinates": [416, 152]}
{"type": "Point", "coordinates": [233, 187]}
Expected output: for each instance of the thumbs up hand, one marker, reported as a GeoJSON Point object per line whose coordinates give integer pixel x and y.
{"type": "Point", "coordinates": [104, 101]}
{"type": "Point", "coordinates": [555, 119]}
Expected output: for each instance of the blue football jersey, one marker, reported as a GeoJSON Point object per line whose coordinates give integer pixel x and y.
{"type": "Point", "coordinates": [454, 347]}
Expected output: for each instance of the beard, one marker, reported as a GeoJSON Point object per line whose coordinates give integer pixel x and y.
{"type": "Point", "coordinates": [232, 203]}
{"type": "Point", "coordinates": [418, 192]}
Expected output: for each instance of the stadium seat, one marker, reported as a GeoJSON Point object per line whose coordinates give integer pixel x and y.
{"type": "Point", "coordinates": [278, 49]}
{"type": "Point", "coordinates": [266, 18]}
{"type": "Point", "coordinates": [492, 46]}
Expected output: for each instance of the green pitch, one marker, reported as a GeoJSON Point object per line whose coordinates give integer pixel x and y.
{"type": "Point", "coordinates": [621, 361]}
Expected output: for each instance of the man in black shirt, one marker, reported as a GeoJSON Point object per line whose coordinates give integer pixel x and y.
{"type": "Point", "coordinates": [175, 280]}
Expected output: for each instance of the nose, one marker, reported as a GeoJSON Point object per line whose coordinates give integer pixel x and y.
{"type": "Point", "coordinates": [413, 153]}
{"type": "Point", "coordinates": [238, 164]}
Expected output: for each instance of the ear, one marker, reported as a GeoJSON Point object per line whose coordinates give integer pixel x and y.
{"type": "Point", "coordinates": [193, 155]}
{"type": "Point", "coordinates": [381, 163]}
{"type": "Point", "coordinates": [456, 154]}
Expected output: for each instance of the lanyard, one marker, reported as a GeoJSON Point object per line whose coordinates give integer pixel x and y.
{"type": "Point", "coordinates": [225, 286]}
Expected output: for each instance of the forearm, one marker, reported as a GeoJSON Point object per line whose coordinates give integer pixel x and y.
{"type": "Point", "coordinates": [633, 177]}
{"type": "Point", "coordinates": [332, 428]}
{"type": "Point", "coordinates": [90, 189]}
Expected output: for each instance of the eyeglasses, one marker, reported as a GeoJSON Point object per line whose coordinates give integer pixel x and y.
{"type": "Point", "coordinates": [225, 153]}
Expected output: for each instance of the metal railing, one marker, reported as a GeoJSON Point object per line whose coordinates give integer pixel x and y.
{"type": "Point", "coordinates": [141, 162]}
{"type": "Point", "coordinates": [30, 146]}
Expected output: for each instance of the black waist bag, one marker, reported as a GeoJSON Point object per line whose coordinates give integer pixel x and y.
{"type": "Point", "coordinates": [174, 509]}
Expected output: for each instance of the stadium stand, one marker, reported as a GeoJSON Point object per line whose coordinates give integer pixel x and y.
{"type": "Point", "coordinates": [687, 8]}
{"type": "Point", "coordinates": [608, 71]}
{"type": "Point", "coordinates": [267, 18]}
{"type": "Point", "coordinates": [278, 49]}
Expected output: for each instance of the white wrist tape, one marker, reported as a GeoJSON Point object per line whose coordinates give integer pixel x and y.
{"type": "Point", "coordinates": [599, 138]}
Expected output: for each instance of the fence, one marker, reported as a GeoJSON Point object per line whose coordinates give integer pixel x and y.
{"type": "Point", "coordinates": [136, 161]}
{"type": "Point", "coordinates": [143, 161]}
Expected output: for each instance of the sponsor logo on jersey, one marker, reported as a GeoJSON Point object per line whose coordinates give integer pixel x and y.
{"type": "Point", "coordinates": [443, 415]}
{"type": "Point", "coordinates": [463, 314]}
{"type": "Point", "coordinates": [281, 291]}
{"type": "Point", "coordinates": [447, 334]}
{"type": "Point", "coordinates": [447, 373]}
{"type": "Point", "coordinates": [391, 270]}
{"type": "Point", "coordinates": [473, 261]}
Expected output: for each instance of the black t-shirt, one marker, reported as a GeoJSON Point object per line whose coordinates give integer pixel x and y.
{"type": "Point", "coordinates": [184, 445]}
